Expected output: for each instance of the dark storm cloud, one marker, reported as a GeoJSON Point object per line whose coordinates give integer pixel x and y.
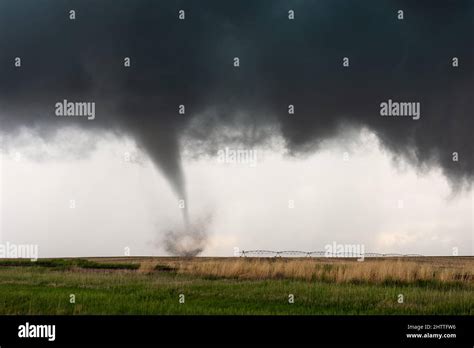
{"type": "Point", "coordinates": [282, 62]}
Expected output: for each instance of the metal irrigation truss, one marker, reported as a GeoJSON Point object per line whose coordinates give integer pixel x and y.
{"type": "Point", "coordinates": [299, 253]}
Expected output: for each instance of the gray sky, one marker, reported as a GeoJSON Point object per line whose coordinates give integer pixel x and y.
{"type": "Point", "coordinates": [130, 204]}
{"type": "Point", "coordinates": [237, 68]}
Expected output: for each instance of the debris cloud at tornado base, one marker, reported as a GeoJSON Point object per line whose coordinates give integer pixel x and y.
{"type": "Point", "coordinates": [189, 240]}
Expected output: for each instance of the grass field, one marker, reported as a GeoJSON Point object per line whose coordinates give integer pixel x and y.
{"type": "Point", "coordinates": [429, 285]}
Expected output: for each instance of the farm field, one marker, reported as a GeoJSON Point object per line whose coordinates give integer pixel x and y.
{"type": "Point", "coordinates": [247, 286]}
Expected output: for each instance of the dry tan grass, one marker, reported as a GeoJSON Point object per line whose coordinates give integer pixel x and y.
{"type": "Point", "coordinates": [147, 266]}
{"type": "Point", "coordinates": [333, 270]}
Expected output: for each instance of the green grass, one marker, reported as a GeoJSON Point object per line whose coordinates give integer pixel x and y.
{"type": "Point", "coordinates": [107, 288]}
{"type": "Point", "coordinates": [68, 263]}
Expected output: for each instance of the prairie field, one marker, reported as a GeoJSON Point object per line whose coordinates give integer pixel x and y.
{"type": "Point", "coordinates": [248, 286]}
